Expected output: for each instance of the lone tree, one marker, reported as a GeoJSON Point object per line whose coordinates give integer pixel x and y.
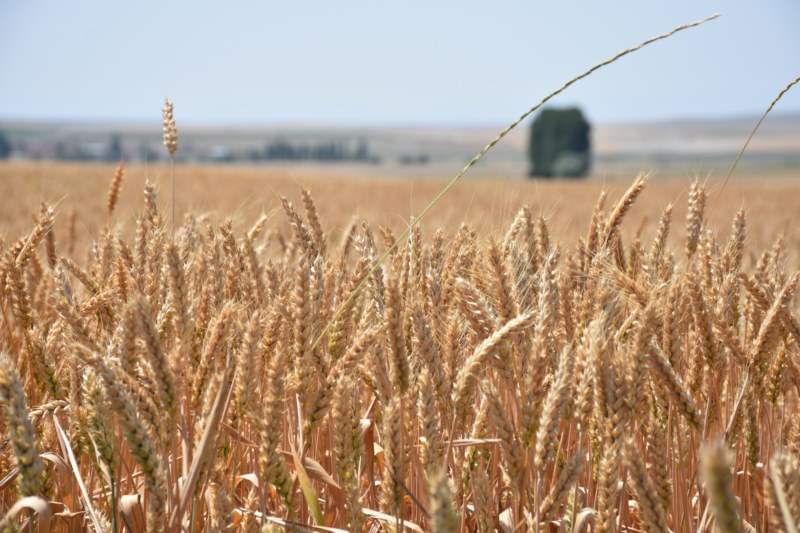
{"type": "Point", "coordinates": [5, 146]}
{"type": "Point", "coordinates": [559, 144]}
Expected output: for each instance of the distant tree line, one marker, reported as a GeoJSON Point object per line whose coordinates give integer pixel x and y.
{"type": "Point", "coordinates": [283, 150]}
{"type": "Point", "coordinates": [69, 151]}
{"type": "Point", "coordinates": [111, 151]}
{"type": "Point", "coordinates": [114, 148]}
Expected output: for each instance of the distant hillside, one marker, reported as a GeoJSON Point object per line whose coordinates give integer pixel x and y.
{"type": "Point", "coordinates": [696, 144]}
{"type": "Point", "coordinates": [778, 133]}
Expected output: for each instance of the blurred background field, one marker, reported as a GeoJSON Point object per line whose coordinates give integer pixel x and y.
{"type": "Point", "coordinates": [771, 199]}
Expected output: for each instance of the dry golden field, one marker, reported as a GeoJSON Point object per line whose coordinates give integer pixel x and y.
{"type": "Point", "coordinates": [546, 362]}
{"type": "Point", "coordinates": [244, 193]}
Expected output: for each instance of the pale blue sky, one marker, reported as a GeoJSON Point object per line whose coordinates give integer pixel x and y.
{"type": "Point", "coordinates": [411, 62]}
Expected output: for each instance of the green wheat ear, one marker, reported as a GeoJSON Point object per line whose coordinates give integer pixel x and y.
{"type": "Point", "coordinates": [486, 149]}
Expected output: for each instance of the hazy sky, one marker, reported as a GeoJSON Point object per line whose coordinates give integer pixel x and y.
{"type": "Point", "coordinates": [377, 62]}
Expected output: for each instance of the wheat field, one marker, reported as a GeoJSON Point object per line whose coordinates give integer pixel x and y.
{"type": "Point", "coordinates": [244, 193]}
{"type": "Point", "coordinates": [533, 357]}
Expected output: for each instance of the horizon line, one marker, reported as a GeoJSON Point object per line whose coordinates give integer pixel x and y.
{"type": "Point", "coordinates": [343, 125]}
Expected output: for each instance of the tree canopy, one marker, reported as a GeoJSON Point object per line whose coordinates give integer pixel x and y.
{"type": "Point", "coordinates": [559, 144]}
